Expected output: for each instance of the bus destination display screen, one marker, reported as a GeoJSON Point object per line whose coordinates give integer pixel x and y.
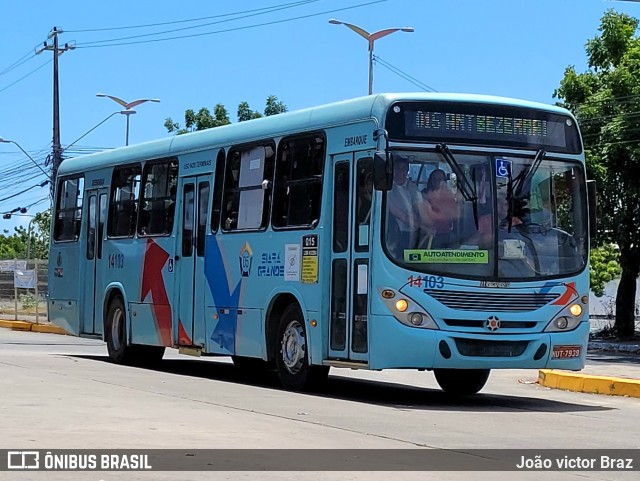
{"type": "Point", "coordinates": [483, 124]}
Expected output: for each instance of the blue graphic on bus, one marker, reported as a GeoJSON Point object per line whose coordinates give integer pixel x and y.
{"type": "Point", "coordinates": [224, 333]}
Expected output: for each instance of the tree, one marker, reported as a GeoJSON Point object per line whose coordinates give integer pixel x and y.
{"type": "Point", "coordinates": [204, 120]}
{"type": "Point", "coordinates": [274, 106]}
{"type": "Point", "coordinates": [18, 246]}
{"type": "Point", "coordinates": [606, 101]}
{"type": "Point", "coordinates": [199, 121]}
{"type": "Point", "coordinates": [604, 267]}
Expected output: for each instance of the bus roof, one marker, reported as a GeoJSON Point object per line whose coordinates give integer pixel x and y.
{"type": "Point", "coordinates": [308, 119]}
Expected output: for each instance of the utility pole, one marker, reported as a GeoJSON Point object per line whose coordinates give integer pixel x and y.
{"type": "Point", "coordinates": [56, 157]}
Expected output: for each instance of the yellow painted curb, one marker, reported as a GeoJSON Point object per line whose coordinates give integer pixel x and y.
{"type": "Point", "coordinates": [48, 328]}
{"type": "Point", "coordinates": [29, 326]}
{"type": "Point", "coordinates": [572, 381]}
{"type": "Point", "coordinates": [20, 326]}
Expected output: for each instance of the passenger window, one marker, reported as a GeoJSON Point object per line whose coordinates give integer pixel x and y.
{"type": "Point", "coordinates": [298, 183]}
{"type": "Point", "coordinates": [247, 192]}
{"type": "Point", "coordinates": [125, 191]}
{"type": "Point", "coordinates": [69, 209]}
{"type": "Point", "coordinates": [217, 192]}
{"type": "Point", "coordinates": [157, 206]}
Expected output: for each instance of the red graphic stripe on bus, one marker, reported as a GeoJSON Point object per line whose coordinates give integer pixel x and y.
{"type": "Point", "coordinates": [183, 337]}
{"type": "Point", "coordinates": [567, 296]}
{"type": "Point", "coordinates": [153, 283]}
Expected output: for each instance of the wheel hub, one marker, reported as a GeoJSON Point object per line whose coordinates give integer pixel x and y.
{"type": "Point", "coordinates": [294, 347]}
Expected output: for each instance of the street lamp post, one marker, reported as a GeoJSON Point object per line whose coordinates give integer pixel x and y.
{"type": "Point", "coordinates": [128, 108]}
{"type": "Point", "coordinates": [7, 141]}
{"type": "Point", "coordinates": [371, 38]}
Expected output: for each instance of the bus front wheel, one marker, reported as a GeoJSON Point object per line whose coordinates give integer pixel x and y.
{"type": "Point", "coordinates": [119, 350]}
{"type": "Point", "coordinates": [461, 382]}
{"type": "Point", "coordinates": [292, 359]}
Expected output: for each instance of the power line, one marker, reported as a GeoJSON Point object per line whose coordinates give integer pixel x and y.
{"type": "Point", "coordinates": [201, 25]}
{"type": "Point", "coordinates": [27, 75]}
{"type": "Point", "coordinates": [175, 22]}
{"type": "Point", "coordinates": [404, 75]}
{"type": "Point", "coordinates": [24, 191]}
{"type": "Point", "coordinates": [27, 56]}
{"type": "Point", "coordinates": [275, 22]}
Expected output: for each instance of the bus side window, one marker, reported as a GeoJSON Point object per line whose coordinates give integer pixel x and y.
{"type": "Point", "coordinates": [125, 190]}
{"type": "Point", "coordinates": [158, 197]}
{"type": "Point", "coordinates": [68, 217]}
{"type": "Point", "coordinates": [217, 192]}
{"type": "Point", "coordinates": [298, 182]}
{"type": "Point", "coordinates": [247, 192]}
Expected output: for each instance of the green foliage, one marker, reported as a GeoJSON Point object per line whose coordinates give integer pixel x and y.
{"type": "Point", "coordinates": [606, 101]}
{"type": "Point", "coordinates": [605, 267]}
{"type": "Point", "coordinates": [205, 120]}
{"type": "Point", "coordinates": [18, 246]}
{"type": "Point", "coordinates": [28, 300]}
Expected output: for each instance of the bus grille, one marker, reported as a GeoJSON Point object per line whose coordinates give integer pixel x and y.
{"type": "Point", "coordinates": [491, 302]}
{"type": "Point", "coordinates": [481, 324]}
{"type": "Point", "coordinates": [479, 348]}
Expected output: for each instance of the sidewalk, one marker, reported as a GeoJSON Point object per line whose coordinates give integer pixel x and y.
{"type": "Point", "coordinates": [32, 326]}
{"type": "Point", "coordinates": [612, 367]}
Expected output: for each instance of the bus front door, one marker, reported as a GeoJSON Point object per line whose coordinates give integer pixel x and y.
{"type": "Point", "coordinates": [348, 333]}
{"type": "Point", "coordinates": [194, 215]}
{"type": "Point", "coordinates": [96, 215]}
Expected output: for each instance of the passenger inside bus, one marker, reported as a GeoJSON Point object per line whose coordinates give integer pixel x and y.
{"type": "Point", "coordinates": [402, 203]}
{"type": "Point", "coordinates": [439, 209]}
{"type": "Point", "coordinates": [365, 185]}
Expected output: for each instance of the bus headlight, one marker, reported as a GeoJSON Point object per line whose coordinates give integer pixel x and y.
{"type": "Point", "coordinates": [406, 310]}
{"type": "Point", "coordinates": [416, 319]}
{"type": "Point", "coordinates": [562, 323]}
{"type": "Point", "coordinates": [402, 305]}
{"type": "Point", "coordinates": [575, 310]}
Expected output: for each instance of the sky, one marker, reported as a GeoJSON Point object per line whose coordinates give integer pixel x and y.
{"type": "Point", "coordinates": [200, 53]}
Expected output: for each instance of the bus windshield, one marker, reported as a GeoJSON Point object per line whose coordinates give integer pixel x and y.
{"type": "Point", "coordinates": [523, 223]}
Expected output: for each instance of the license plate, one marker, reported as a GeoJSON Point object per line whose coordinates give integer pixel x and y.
{"type": "Point", "coordinates": [566, 352]}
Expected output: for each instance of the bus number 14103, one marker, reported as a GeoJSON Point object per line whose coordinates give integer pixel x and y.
{"type": "Point", "coordinates": [431, 282]}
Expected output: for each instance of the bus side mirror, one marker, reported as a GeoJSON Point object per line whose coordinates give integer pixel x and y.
{"type": "Point", "coordinates": [592, 199]}
{"type": "Point", "coordinates": [383, 170]}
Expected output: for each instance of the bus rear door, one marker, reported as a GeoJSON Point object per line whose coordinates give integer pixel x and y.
{"type": "Point", "coordinates": [91, 322]}
{"type": "Point", "coordinates": [194, 212]}
{"type": "Point", "coordinates": [350, 260]}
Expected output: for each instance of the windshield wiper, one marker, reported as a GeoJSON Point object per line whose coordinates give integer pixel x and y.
{"type": "Point", "coordinates": [516, 186]}
{"type": "Point", "coordinates": [467, 189]}
{"type": "Point", "coordinates": [529, 172]}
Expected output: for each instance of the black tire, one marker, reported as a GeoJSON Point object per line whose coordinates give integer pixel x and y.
{"type": "Point", "coordinates": [116, 332]}
{"type": "Point", "coordinates": [292, 355]}
{"type": "Point", "coordinates": [120, 351]}
{"type": "Point", "coordinates": [461, 382]}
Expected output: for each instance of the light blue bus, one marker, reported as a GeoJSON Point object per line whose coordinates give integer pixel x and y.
{"type": "Point", "coordinates": [417, 231]}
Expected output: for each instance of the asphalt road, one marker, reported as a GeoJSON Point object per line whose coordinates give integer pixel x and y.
{"type": "Point", "coordinates": [60, 392]}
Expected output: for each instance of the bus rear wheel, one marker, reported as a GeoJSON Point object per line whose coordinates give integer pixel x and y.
{"type": "Point", "coordinates": [292, 359]}
{"type": "Point", "coordinates": [461, 382]}
{"type": "Point", "coordinates": [119, 350]}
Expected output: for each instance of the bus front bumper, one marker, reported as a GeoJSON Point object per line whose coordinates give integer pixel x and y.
{"type": "Point", "coordinates": [394, 345]}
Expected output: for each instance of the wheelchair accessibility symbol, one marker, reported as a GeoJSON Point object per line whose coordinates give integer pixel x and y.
{"type": "Point", "coordinates": [503, 167]}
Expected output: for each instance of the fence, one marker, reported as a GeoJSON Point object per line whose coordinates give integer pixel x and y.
{"type": "Point", "coordinates": [23, 289]}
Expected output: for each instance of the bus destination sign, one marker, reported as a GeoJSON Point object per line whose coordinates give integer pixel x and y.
{"type": "Point", "coordinates": [483, 125]}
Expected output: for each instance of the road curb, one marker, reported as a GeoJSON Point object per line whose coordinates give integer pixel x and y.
{"type": "Point", "coordinates": [614, 346]}
{"type": "Point", "coordinates": [571, 381]}
{"type": "Point", "coordinates": [30, 326]}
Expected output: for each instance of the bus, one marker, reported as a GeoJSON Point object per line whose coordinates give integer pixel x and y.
{"type": "Point", "coordinates": [441, 232]}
